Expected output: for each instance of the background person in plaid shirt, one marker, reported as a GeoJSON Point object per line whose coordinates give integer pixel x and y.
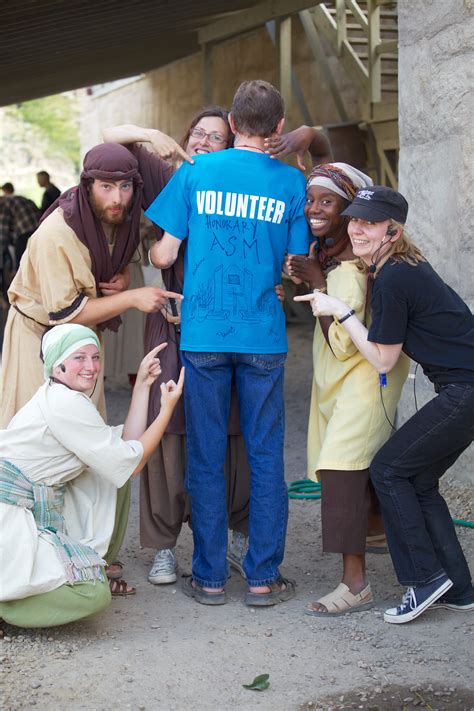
{"type": "Point", "coordinates": [19, 218]}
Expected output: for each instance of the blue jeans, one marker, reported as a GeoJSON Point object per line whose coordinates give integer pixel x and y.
{"type": "Point", "coordinates": [406, 472]}
{"type": "Point", "coordinates": [259, 382]}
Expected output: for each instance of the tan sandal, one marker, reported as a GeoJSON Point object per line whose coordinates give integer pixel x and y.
{"type": "Point", "coordinates": [341, 601]}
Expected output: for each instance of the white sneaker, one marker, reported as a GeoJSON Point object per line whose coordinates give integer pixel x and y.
{"type": "Point", "coordinates": [164, 567]}
{"type": "Point", "coordinates": [237, 550]}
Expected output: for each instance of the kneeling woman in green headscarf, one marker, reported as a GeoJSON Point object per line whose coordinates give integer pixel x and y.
{"type": "Point", "coordinates": [60, 468]}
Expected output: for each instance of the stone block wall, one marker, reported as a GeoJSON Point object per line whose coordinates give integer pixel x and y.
{"type": "Point", "coordinates": [436, 53]}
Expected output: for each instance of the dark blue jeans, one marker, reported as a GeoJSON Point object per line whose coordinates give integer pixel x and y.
{"type": "Point", "coordinates": [405, 473]}
{"type": "Point", "coordinates": [259, 382]}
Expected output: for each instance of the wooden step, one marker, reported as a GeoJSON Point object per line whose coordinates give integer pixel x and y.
{"type": "Point", "coordinates": [389, 15]}
{"type": "Point", "coordinates": [384, 12]}
{"type": "Point", "coordinates": [358, 39]}
{"type": "Point", "coordinates": [350, 27]}
{"type": "Point", "coordinates": [388, 57]}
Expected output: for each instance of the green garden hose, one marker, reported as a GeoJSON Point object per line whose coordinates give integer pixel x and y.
{"type": "Point", "coordinates": [307, 489]}
{"type": "Point", "coordinates": [462, 522]}
{"type": "Point", "coordinates": [304, 489]}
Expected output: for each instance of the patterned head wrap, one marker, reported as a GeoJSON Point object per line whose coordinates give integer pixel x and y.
{"type": "Point", "coordinates": [61, 341]}
{"type": "Point", "coordinates": [342, 178]}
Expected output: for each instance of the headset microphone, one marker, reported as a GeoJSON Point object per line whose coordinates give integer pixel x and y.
{"type": "Point", "coordinates": [63, 367]}
{"type": "Point", "coordinates": [391, 232]}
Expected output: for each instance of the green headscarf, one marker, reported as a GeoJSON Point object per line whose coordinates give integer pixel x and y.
{"type": "Point", "coordinates": [61, 341]}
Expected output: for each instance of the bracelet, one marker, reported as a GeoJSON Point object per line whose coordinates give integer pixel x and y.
{"type": "Point", "coordinates": [348, 315]}
{"type": "Point", "coordinates": [323, 290]}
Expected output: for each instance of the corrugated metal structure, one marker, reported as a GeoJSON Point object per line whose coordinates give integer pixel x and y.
{"type": "Point", "coordinates": [48, 46]}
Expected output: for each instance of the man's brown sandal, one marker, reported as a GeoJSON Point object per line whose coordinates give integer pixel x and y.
{"type": "Point", "coordinates": [191, 588]}
{"type": "Point", "coordinates": [281, 590]}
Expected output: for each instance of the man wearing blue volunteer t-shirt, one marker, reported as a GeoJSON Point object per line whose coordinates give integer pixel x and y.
{"type": "Point", "coordinates": [240, 212]}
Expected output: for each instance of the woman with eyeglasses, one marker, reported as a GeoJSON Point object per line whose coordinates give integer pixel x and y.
{"type": "Point", "coordinates": [163, 500]}
{"type": "Point", "coordinates": [164, 504]}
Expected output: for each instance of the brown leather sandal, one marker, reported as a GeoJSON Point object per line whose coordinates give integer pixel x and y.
{"type": "Point", "coordinates": [120, 588]}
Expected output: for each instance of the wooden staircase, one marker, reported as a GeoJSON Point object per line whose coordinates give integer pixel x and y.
{"type": "Point", "coordinates": [364, 35]}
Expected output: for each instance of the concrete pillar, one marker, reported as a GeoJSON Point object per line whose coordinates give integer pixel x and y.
{"type": "Point", "coordinates": [436, 157]}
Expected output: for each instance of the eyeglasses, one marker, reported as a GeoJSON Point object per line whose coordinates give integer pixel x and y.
{"type": "Point", "coordinates": [213, 137]}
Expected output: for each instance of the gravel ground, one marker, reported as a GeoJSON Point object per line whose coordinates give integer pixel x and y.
{"type": "Point", "coordinates": [160, 650]}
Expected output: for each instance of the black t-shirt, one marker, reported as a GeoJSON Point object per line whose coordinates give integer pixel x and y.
{"type": "Point", "coordinates": [412, 305]}
{"type": "Point", "coordinates": [49, 196]}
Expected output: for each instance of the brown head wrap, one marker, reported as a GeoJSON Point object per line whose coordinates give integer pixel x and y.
{"type": "Point", "coordinates": [108, 161]}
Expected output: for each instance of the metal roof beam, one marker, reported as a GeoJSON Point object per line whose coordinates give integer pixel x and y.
{"type": "Point", "coordinates": [247, 20]}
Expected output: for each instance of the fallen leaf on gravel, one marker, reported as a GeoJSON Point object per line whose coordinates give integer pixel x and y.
{"type": "Point", "coordinates": [260, 683]}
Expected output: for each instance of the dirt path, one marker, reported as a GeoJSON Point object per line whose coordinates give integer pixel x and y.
{"type": "Point", "coordinates": [161, 650]}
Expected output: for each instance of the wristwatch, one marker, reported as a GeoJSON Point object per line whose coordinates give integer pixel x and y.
{"type": "Point", "coordinates": [346, 316]}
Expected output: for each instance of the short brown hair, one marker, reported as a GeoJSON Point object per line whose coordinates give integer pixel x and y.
{"type": "Point", "coordinates": [257, 108]}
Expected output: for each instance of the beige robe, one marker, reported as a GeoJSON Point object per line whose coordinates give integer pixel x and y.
{"type": "Point", "coordinates": [124, 349]}
{"type": "Point", "coordinates": [52, 286]}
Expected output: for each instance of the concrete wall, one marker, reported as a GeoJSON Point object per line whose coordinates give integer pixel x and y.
{"type": "Point", "coordinates": [436, 158]}
{"type": "Point", "coordinates": [168, 97]}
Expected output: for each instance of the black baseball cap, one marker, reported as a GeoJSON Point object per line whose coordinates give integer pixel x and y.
{"type": "Point", "coordinates": [378, 203]}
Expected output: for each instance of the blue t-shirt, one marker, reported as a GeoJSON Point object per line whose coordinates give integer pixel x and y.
{"type": "Point", "coordinates": [241, 212]}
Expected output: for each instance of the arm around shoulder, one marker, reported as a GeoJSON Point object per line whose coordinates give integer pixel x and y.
{"type": "Point", "coordinates": [299, 141]}
{"type": "Point", "coordinates": [160, 143]}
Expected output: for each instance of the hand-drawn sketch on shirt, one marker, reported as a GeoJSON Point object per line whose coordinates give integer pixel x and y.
{"type": "Point", "coordinates": [230, 296]}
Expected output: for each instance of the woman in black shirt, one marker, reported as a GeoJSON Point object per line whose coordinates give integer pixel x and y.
{"type": "Point", "coordinates": [415, 311]}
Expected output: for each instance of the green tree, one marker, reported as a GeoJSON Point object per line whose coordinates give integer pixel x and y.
{"type": "Point", "coordinates": [57, 118]}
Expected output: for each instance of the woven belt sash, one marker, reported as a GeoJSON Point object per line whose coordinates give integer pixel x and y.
{"type": "Point", "coordinates": [80, 562]}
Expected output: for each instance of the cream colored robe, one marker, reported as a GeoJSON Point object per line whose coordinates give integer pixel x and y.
{"type": "Point", "coordinates": [59, 437]}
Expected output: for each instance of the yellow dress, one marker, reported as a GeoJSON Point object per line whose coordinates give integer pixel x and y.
{"type": "Point", "coordinates": [347, 423]}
